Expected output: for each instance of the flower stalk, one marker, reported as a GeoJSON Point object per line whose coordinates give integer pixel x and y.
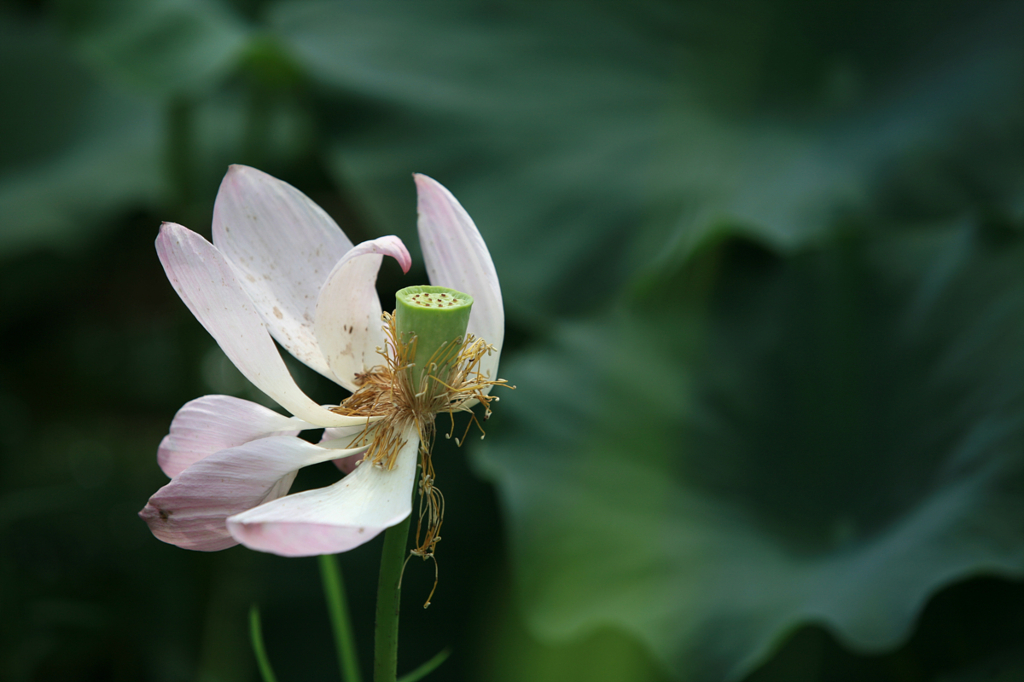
{"type": "Point", "coordinates": [430, 331]}
{"type": "Point", "coordinates": [389, 594]}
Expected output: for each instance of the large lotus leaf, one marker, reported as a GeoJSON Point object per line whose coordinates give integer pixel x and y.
{"type": "Point", "coordinates": [759, 442]}
{"type": "Point", "coordinates": [73, 150]}
{"type": "Point", "coordinates": [580, 134]}
{"type": "Point", "coordinates": [161, 47]}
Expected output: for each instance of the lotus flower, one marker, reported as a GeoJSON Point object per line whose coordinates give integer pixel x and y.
{"type": "Point", "coordinates": [281, 268]}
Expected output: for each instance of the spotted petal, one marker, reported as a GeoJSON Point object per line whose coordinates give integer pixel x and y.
{"type": "Point", "coordinates": [348, 325]}
{"type": "Point", "coordinates": [336, 518]}
{"type": "Point", "coordinates": [209, 287]}
{"type": "Point", "coordinates": [217, 422]}
{"type": "Point", "coordinates": [190, 511]}
{"type": "Point", "coordinates": [457, 257]}
{"type": "Point", "coordinates": [283, 245]}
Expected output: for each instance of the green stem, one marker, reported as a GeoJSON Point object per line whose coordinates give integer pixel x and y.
{"type": "Point", "coordinates": [389, 592]}
{"type": "Point", "coordinates": [334, 593]}
{"type": "Point", "coordinates": [256, 633]}
{"type": "Point", "coordinates": [180, 135]}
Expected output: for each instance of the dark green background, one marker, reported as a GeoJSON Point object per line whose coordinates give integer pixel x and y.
{"type": "Point", "coordinates": [763, 268]}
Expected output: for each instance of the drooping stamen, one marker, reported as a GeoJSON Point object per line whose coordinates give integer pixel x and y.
{"type": "Point", "coordinates": [403, 391]}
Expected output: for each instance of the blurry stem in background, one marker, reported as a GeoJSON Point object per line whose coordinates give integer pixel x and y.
{"type": "Point", "coordinates": [334, 593]}
{"type": "Point", "coordinates": [427, 668]}
{"type": "Point", "coordinates": [257, 126]}
{"type": "Point", "coordinates": [256, 634]}
{"type": "Point", "coordinates": [180, 134]}
{"type": "Point", "coordinates": [272, 77]}
{"type": "Point", "coordinates": [389, 592]}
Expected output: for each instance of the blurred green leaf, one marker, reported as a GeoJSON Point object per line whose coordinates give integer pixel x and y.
{"type": "Point", "coordinates": [759, 442]}
{"type": "Point", "coordinates": [160, 47]}
{"type": "Point", "coordinates": [607, 655]}
{"type": "Point", "coordinates": [583, 136]}
{"type": "Point", "coordinates": [74, 152]}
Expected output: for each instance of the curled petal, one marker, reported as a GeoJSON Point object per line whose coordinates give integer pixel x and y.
{"type": "Point", "coordinates": [190, 511]}
{"type": "Point", "coordinates": [336, 518]}
{"type": "Point", "coordinates": [348, 326]}
{"type": "Point", "coordinates": [283, 246]}
{"type": "Point", "coordinates": [209, 287]}
{"type": "Point", "coordinates": [457, 257]}
{"type": "Point", "coordinates": [217, 422]}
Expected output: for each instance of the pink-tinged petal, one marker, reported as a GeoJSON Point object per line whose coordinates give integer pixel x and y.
{"type": "Point", "coordinates": [341, 438]}
{"type": "Point", "coordinates": [283, 246]}
{"type": "Point", "coordinates": [457, 257]}
{"type": "Point", "coordinates": [336, 518]}
{"type": "Point", "coordinates": [348, 324]}
{"type": "Point", "coordinates": [217, 422]}
{"type": "Point", "coordinates": [191, 510]}
{"type": "Point", "coordinates": [209, 287]}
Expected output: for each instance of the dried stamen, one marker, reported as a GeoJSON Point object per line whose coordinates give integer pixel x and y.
{"type": "Point", "coordinates": [451, 382]}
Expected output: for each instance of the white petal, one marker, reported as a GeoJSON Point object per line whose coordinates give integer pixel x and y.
{"type": "Point", "coordinates": [207, 284]}
{"type": "Point", "coordinates": [217, 422]}
{"type": "Point", "coordinates": [191, 510]}
{"type": "Point", "coordinates": [342, 438]}
{"type": "Point", "coordinates": [457, 258]}
{"type": "Point", "coordinates": [348, 324]}
{"type": "Point", "coordinates": [283, 246]}
{"type": "Point", "coordinates": [336, 518]}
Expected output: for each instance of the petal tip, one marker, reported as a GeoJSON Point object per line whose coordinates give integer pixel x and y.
{"type": "Point", "coordinates": [393, 246]}
{"type": "Point", "coordinates": [427, 185]}
{"type": "Point", "coordinates": [235, 181]}
{"type": "Point", "coordinates": [436, 203]}
{"type": "Point", "coordinates": [169, 228]}
{"type": "Point", "coordinates": [153, 515]}
{"type": "Point", "coordinates": [237, 169]}
{"type": "Point", "coordinates": [165, 235]}
{"type": "Point", "coordinates": [403, 257]}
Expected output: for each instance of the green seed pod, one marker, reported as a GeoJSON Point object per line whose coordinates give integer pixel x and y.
{"type": "Point", "coordinates": [436, 317]}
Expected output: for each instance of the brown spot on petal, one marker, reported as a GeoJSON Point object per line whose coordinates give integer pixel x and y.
{"type": "Point", "coordinates": [277, 313]}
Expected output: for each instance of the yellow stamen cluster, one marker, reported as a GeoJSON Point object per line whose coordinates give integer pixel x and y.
{"type": "Point", "coordinates": [453, 380]}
